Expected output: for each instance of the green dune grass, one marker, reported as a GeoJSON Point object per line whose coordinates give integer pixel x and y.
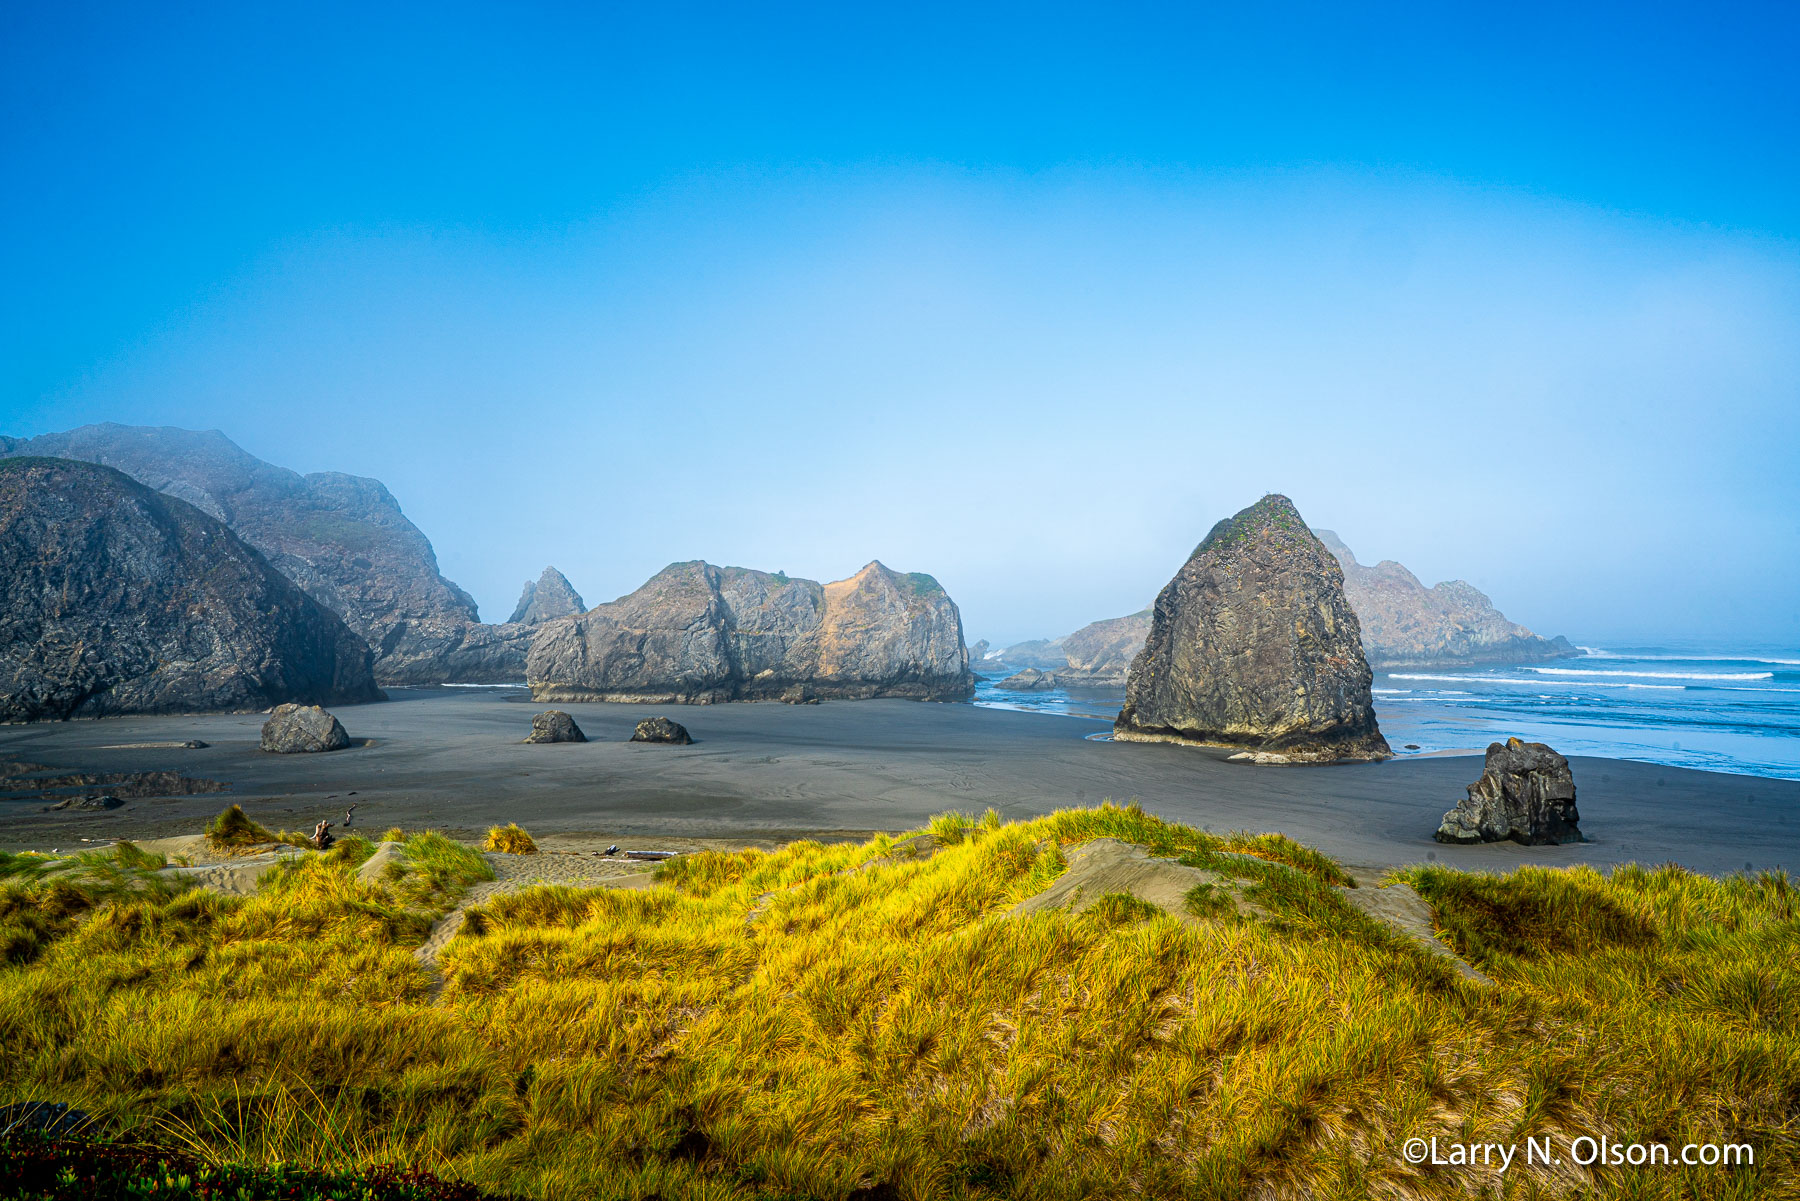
{"type": "Point", "coordinates": [868, 1020]}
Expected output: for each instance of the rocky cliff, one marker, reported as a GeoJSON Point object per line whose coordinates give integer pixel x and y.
{"type": "Point", "coordinates": [547, 598]}
{"type": "Point", "coordinates": [118, 599]}
{"type": "Point", "coordinates": [1253, 645]}
{"type": "Point", "coordinates": [341, 538]}
{"type": "Point", "coordinates": [698, 634]}
{"type": "Point", "coordinates": [1406, 624]}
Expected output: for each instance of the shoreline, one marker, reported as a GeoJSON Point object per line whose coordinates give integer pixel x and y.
{"type": "Point", "coordinates": [453, 760]}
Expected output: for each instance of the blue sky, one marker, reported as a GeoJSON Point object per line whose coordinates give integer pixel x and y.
{"type": "Point", "coordinates": [1026, 296]}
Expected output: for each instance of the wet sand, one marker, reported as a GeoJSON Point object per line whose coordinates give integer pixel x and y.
{"type": "Point", "coordinates": [452, 759]}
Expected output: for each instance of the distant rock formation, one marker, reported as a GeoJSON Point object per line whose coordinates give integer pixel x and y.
{"type": "Point", "coordinates": [553, 725]}
{"type": "Point", "coordinates": [1098, 655]}
{"type": "Point", "coordinates": [341, 538]}
{"type": "Point", "coordinates": [546, 598]}
{"type": "Point", "coordinates": [1526, 793]}
{"type": "Point", "coordinates": [1042, 654]}
{"type": "Point", "coordinates": [117, 599]}
{"type": "Point", "coordinates": [1029, 680]}
{"type": "Point", "coordinates": [1252, 645]}
{"type": "Point", "coordinates": [1101, 652]}
{"type": "Point", "coordinates": [302, 729]}
{"type": "Point", "coordinates": [1405, 624]}
{"type": "Point", "coordinates": [661, 729]}
{"type": "Point", "coordinates": [698, 634]}
{"type": "Point", "coordinates": [977, 651]}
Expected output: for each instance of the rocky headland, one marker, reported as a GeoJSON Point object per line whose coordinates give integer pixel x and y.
{"type": "Point", "coordinates": [118, 599]}
{"type": "Point", "coordinates": [341, 538]}
{"type": "Point", "coordinates": [547, 598]}
{"type": "Point", "coordinates": [1254, 646]}
{"type": "Point", "coordinates": [700, 634]}
{"type": "Point", "coordinates": [1452, 624]}
{"type": "Point", "coordinates": [1100, 653]}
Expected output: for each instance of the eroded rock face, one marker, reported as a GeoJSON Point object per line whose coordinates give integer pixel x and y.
{"type": "Point", "coordinates": [1029, 680]}
{"type": "Point", "coordinates": [1405, 624]}
{"type": "Point", "coordinates": [553, 725]}
{"type": "Point", "coordinates": [302, 729]}
{"type": "Point", "coordinates": [341, 538]}
{"type": "Point", "coordinates": [699, 634]}
{"type": "Point", "coordinates": [661, 729]}
{"type": "Point", "coordinates": [118, 599]}
{"type": "Point", "coordinates": [1253, 645]}
{"type": "Point", "coordinates": [1526, 793]}
{"type": "Point", "coordinates": [547, 598]}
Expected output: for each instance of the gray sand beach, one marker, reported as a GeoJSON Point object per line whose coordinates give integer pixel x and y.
{"type": "Point", "coordinates": [452, 759]}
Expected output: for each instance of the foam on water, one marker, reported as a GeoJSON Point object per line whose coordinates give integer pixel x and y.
{"type": "Point", "coordinates": [1655, 675]}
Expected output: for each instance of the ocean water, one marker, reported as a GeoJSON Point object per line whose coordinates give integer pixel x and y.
{"type": "Point", "coordinates": [1729, 710]}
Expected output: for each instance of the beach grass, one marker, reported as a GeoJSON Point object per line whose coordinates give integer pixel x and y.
{"type": "Point", "coordinates": [510, 839]}
{"type": "Point", "coordinates": [871, 1020]}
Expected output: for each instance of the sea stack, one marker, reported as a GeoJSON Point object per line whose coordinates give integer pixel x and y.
{"type": "Point", "coordinates": [1253, 646]}
{"type": "Point", "coordinates": [698, 634]}
{"type": "Point", "coordinates": [547, 598]}
{"type": "Point", "coordinates": [117, 599]}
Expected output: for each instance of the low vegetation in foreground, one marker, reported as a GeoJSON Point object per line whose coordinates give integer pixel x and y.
{"type": "Point", "coordinates": [871, 1021]}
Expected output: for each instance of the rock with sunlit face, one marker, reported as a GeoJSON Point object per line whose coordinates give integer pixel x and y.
{"type": "Point", "coordinates": [700, 634]}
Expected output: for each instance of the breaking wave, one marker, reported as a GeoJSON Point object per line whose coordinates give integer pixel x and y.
{"type": "Point", "coordinates": [1654, 675]}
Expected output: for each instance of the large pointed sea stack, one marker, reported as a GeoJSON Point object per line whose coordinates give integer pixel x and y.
{"type": "Point", "coordinates": [118, 599]}
{"type": "Point", "coordinates": [1252, 645]}
{"type": "Point", "coordinates": [700, 634]}
{"type": "Point", "coordinates": [547, 598]}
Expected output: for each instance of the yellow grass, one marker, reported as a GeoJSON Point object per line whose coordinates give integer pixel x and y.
{"type": "Point", "coordinates": [510, 839]}
{"type": "Point", "coordinates": [823, 1019]}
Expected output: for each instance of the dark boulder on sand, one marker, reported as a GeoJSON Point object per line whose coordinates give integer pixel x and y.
{"type": "Point", "coordinates": [661, 729]}
{"type": "Point", "coordinates": [118, 599]}
{"type": "Point", "coordinates": [553, 725]}
{"type": "Point", "coordinates": [547, 598]}
{"type": "Point", "coordinates": [1253, 646]}
{"type": "Point", "coordinates": [302, 729]}
{"type": "Point", "coordinates": [1526, 793]}
{"type": "Point", "coordinates": [699, 634]}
